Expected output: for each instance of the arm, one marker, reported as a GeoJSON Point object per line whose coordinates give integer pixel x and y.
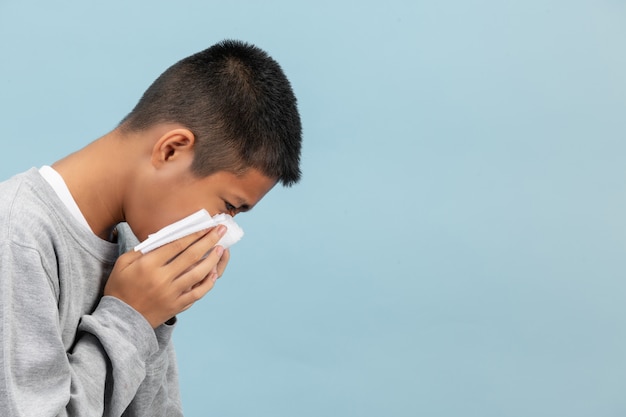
{"type": "Point", "coordinates": [159, 394]}
{"type": "Point", "coordinates": [172, 287]}
{"type": "Point", "coordinates": [115, 347]}
{"type": "Point", "coordinates": [98, 376]}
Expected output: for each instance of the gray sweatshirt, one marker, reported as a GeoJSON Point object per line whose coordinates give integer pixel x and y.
{"type": "Point", "coordinates": [65, 350]}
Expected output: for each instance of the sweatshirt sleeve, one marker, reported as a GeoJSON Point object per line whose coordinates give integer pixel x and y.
{"type": "Point", "coordinates": [158, 395]}
{"type": "Point", "coordinates": [101, 373]}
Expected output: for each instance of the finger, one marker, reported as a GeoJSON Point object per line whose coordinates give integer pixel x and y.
{"type": "Point", "coordinates": [166, 253]}
{"type": "Point", "coordinates": [195, 252]}
{"type": "Point", "coordinates": [221, 265]}
{"type": "Point", "coordinates": [199, 271]}
{"type": "Point", "coordinates": [198, 291]}
{"type": "Point", "coordinates": [128, 258]}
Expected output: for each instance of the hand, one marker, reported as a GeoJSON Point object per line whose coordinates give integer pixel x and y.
{"type": "Point", "coordinates": [168, 280]}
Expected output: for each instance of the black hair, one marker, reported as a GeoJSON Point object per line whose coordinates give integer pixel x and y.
{"type": "Point", "coordinates": [237, 102]}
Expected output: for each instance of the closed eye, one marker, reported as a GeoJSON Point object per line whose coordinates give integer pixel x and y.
{"type": "Point", "coordinates": [230, 209]}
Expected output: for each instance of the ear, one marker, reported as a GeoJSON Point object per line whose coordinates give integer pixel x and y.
{"type": "Point", "coordinates": [173, 145]}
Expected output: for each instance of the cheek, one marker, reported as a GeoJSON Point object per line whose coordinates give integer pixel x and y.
{"type": "Point", "coordinates": [154, 218]}
{"type": "Point", "coordinates": [143, 224]}
{"type": "Point", "coordinates": [214, 209]}
{"type": "Point", "coordinates": [149, 216]}
{"type": "Point", "coordinates": [153, 212]}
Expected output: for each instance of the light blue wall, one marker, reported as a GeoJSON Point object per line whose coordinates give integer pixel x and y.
{"type": "Point", "coordinates": [457, 244]}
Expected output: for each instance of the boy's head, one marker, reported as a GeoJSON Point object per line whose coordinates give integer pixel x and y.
{"type": "Point", "coordinates": [225, 129]}
{"type": "Point", "coordinates": [238, 104]}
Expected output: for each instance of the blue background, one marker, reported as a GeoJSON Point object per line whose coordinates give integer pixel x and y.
{"type": "Point", "coordinates": [457, 244]}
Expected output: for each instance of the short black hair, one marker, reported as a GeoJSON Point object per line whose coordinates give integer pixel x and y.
{"type": "Point", "coordinates": [237, 102]}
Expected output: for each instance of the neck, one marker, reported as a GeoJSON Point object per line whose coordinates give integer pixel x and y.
{"type": "Point", "coordinates": [96, 178]}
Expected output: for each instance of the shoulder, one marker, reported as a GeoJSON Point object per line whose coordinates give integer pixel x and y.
{"type": "Point", "coordinates": [33, 216]}
{"type": "Point", "coordinates": [28, 222]}
{"type": "Point", "coordinates": [26, 208]}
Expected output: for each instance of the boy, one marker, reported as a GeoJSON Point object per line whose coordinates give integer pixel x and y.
{"type": "Point", "coordinates": [86, 323]}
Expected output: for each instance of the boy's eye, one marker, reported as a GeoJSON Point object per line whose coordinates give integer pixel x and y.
{"type": "Point", "coordinates": [230, 209]}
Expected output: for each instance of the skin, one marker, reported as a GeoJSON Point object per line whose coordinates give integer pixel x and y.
{"type": "Point", "coordinates": [145, 179]}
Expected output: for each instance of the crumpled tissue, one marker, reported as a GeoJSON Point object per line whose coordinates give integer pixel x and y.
{"type": "Point", "coordinates": [197, 221]}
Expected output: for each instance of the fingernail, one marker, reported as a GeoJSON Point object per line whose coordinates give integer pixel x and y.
{"type": "Point", "coordinates": [214, 277]}
{"type": "Point", "coordinates": [221, 230]}
{"type": "Point", "coordinates": [219, 250]}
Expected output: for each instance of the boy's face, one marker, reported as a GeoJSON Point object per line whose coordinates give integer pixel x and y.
{"type": "Point", "coordinates": [170, 195]}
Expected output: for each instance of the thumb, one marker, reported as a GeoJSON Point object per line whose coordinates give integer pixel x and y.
{"type": "Point", "coordinates": [128, 258]}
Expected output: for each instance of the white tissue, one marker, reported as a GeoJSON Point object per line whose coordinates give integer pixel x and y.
{"type": "Point", "coordinates": [198, 221]}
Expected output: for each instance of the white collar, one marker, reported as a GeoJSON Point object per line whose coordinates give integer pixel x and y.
{"type": "Point", "coordinates": [60, 188]}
